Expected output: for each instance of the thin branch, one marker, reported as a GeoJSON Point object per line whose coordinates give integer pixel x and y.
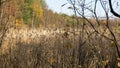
{"type": "Point", "coordinates": [108, 27]}
{"type": "Point", "coordinates": [112, 10]}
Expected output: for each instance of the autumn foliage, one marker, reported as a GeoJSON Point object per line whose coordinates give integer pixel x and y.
{"type": "Point", "coordinates": [28, 12]}
{"type": "Point", "coordinates": [32, 36]}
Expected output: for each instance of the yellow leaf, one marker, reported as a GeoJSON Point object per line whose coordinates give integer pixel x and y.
{"type": "Point", "coordinates": [21, 19]}
{"type": "Point", "coordinates": [17, 24]}
{"type": "Point", "coordinates": [16, 20]}
{"type": "Point", "coordinates": [51, 60]}
{"type": "Point", "coordinates": [118, 64]}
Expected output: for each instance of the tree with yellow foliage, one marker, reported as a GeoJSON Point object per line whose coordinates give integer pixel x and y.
{"type": "Point", "coordinates": [37, 8]}
{"type": "Point", "coordinates": [33, 12]}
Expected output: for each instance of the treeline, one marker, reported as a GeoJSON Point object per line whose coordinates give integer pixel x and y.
{"type": "Point", "coordinates": [32, 13]}
{"type": "Point", "coordinates": [22, 11]}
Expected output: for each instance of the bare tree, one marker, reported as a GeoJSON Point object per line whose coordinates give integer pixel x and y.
{"type": "Point", "coordinates": [92, 29]}
{"type": "Point", "coordinates": [4, 19]}
{"type": "Point", "coordinates": [112, 10]}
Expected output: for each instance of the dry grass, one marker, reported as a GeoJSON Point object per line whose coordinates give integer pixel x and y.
{"type": "Point", "coordinates": [34, 48]}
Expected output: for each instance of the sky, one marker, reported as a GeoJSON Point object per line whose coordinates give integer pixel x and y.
{"type": "Point", "coordinates": [55, 5]}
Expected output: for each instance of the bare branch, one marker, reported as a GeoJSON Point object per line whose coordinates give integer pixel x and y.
{"type": "Point", "coordinates": [112, 10]}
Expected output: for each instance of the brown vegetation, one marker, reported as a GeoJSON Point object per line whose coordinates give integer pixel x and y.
{"type": "Point", "coordinates": [35, 37]}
